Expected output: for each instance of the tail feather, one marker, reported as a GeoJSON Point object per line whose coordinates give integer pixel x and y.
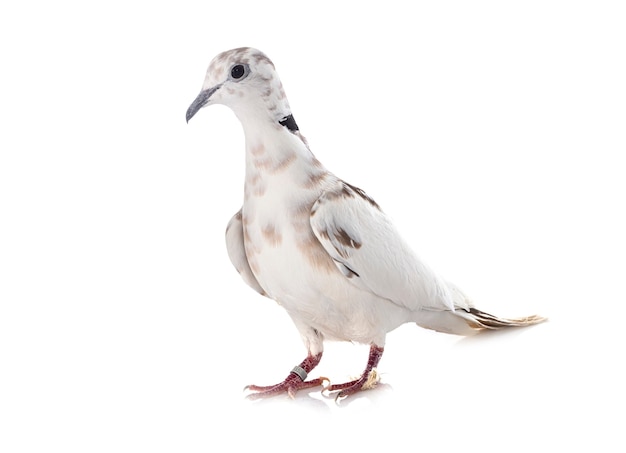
{"type": "Point", "coordinates": [480, 320]}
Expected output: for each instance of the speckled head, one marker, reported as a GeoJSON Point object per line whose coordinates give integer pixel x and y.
{"type": "Point", "coordinates": [245, 80]}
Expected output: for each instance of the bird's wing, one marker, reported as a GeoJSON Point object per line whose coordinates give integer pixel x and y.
{"type": "Point", "coordinates": [372, 255]}
{"type": "Point", "coordinates": [237, 252]}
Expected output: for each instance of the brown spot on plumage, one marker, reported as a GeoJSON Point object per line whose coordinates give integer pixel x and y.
{"type": "Point", "coordinates": [281, 92]}
{"type": "Point", "coordinates": [340, 241]}
{"type": "Point", "coordinates": [272, 235]}
{"type": "Point", "coordinates": [260, 57]}
{"type": "Point", "coordinates": [349, 191]}
{"type": "Point", "coordinates": [342, 192]}
{"type": "Point", "coordinates": [301, 217]}
{"type": "Point", "coordinates": [362, 194]}
{"type": "Point", "coordinates": [257, 150]}
{"type": "Point", "coordinates": [273, 165]}
{"type": "Point", "coordinates": [316, 254]}
{"type": "Point", "coordinates": [236, 218]}
{"type": "Point", "coordinates": [253, 179]}
{"type": "Point", "coordinates": [303, 138]}
{"type": "Point", "coordinates": [345, 239]}
{"type": "Point", "coordinates": [346, 271]}
{"type": "Point", "coordinates": [262, 163]}
{"type": "Point", "coordinates": [218, 72]}
{"type": "Point", "coordinates": [314, 179]}
{"type": "Point", "coordinates": [239, 53]}
{"type": "Point", "coordinates": [284, 163]}
{"type": "Point", "coordinates": [259, 190]}
{"type": "Point", "coordinates": [324, 234]}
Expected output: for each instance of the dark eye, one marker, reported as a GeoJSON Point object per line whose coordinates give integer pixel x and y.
{"type": "Point", "coordinates": [239, 71]}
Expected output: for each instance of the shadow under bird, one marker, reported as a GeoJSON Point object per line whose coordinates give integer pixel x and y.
{"type": "Point", "coordinates": [318, 246]}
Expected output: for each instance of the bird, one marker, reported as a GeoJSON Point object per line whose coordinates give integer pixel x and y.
{"type": "Point", "coordinates": [318, 246]}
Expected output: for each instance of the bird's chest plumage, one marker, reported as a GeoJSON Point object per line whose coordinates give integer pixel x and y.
{"type": "Point", "coordinates": [284, 255]}
{"type": "Point", "coordinates": [279, 242]}
{"type": "Point", "coordinates": [292, 267]}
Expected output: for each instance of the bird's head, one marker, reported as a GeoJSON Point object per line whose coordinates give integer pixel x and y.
{"type": "Point", "coordinates": [245, 80]}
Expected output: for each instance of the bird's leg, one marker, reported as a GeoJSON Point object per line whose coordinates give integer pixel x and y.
{"type": "Point", "coordinates": [292, 383]}
{"type": "Point", "coordinates": [368, 379]}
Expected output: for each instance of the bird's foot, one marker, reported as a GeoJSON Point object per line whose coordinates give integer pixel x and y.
{"type": "Point", "coordinates": [292, 383]}
{"type": "Point", "coordinates": [365, 382]}
{"type": "Point", "coordinates": [368, 379]}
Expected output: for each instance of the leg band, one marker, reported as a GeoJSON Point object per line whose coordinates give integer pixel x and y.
{"type": "Point", "coordinates": [300, 372]}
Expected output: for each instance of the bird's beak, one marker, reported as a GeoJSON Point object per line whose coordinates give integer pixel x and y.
{"type": "Point", "coordinates": [201, 101]}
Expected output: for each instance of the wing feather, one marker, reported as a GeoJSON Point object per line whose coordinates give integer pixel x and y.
{"type": "Point", "coordinates": [370, 252]}
{"type": "Point", "coordinates": [237, 252]}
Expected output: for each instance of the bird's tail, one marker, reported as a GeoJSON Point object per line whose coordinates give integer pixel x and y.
{"type": "Point", "coordinates": [470, 321]}
{"type": "Point", "coordinates": [480, 320]}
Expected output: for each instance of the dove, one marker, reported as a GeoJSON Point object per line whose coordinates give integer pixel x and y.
{"type": "Point", "coordinates": [318, 246]}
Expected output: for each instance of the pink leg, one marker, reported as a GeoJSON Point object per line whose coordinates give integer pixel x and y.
{"type": "Point", "coordinates": [361, 383]}
{"type": "Point", "coordinates": [292, 383]}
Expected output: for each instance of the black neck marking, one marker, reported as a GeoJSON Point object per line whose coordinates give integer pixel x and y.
{"type": "Point", "coordinates": [289, 123]}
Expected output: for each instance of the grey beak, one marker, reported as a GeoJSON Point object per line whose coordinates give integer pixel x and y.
{"type": "Point", "coordinates": [200, 101]}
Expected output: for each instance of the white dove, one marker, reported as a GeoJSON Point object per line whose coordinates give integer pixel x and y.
{"type": "Point", "coordinates": [318, 246]}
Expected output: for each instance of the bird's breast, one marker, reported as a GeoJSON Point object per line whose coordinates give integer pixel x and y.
{"type": "Point", "coordinates": [293, 268]}
{"type": "Point", "coordinates": [282, 250]}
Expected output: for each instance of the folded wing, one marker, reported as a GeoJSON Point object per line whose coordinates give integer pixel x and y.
{"type": "Point", "coordinates": [372, 255]}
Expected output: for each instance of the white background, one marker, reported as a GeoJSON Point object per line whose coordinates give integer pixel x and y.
{"type": "Point", "coordinates": [493, 135]}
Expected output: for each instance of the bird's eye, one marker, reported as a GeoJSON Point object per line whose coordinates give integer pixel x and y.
{"type": "Point", "coordinates": [239, 72]}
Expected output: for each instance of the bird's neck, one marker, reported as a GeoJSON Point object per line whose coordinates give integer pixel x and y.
{"type": "Point", "coordinates": [271, 143]}
{"type": "Point", "coordinates": [277, 157]}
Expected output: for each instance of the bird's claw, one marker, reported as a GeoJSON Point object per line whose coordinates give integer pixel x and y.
{"type": "Point", "coordinates": [289, 386]}
{"type": "Point", "coordinates": [352, 387]}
